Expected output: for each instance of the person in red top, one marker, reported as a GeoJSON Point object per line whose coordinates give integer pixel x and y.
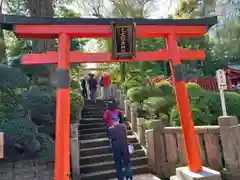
{"type": "Point", "coordinates": [106, 85]}
{"type": "Point", "coordinates": [111, 111]}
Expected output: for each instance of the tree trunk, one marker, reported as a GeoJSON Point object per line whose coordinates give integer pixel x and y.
{"type": "Point", "coordinates": [43, 8]}
{"type": "Point", "coordinates": [123, 71]}
{"type": "Point", "coordinates": [3, 45]}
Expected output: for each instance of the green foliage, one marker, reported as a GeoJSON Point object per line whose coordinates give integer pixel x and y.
{"type": "Point", "coordinates": [233, 103]}
{"type": "Point", "coordinates": [138, 94]}
{"type": "Point", "coordinates": [194, 88]}
{"type": "Point", "coordinates": [199, 117]}
{"type": "Point", "coordinates": [77, 103]}
{"type": "Point", "coordinates": [47, 147]}
{"type": "Point", "coordinates": [129, 83]}
{"type": "Point", "coordinates": [159, 103]}
{"type": "Point", "coordinates": [12, 78]}
{"type": "Point", "coordinates": [157, 107]}
{"type": "Point", "coordinates": [2, 49]}
{"type": "Point", "coordinates": [22, 132]}
{"type": "Point", "coordinates": [75, 84]}
{"type": "Point", "coordinates": [29, 70]}
{"type": "Point", "coordinates": [10, 95]}
{"type": "Point", "coordinates": [166, 88]}
{"type": "Point", "coordinates": [37, 99]}
{"type": "Point", "coordinates": [15, 46]}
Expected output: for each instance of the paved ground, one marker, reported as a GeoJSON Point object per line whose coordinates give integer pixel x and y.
{"type": "Point", "coordinates": [144, 177]}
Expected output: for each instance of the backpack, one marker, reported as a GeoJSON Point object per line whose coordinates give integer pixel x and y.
{"type": "Point", "coordinates": [93, 84]}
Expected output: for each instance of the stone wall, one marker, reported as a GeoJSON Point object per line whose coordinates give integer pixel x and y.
{"type": "Point", "coordinates": [26, 170]}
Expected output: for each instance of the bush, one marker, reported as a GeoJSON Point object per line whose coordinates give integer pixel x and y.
{"type": "Point", "coordinates": [194, 89]}
{"type": "Point", "coordinates": [155, 106]}
{"type": "Point", "coordinates": [47, 147]}
{"type": "Point", "coordinates": [75, 84]}
{"type": "Point", "coordinates": [77, 103]}
{"type": "Point", "coordinates": [166, 88]}
{"type": "Point", "coordinates": [138, 94]}
{"type": "Point", "coordinates": [37, 99]}
{"type": "Point", "coordinates": [12, 78]}
{"type": "Point", "coordinates": [199, 117]}
{"type": "Point", "coordinates": [233, 103]}
{"type": "Point", "coordinates": [22, 132]}
{"type": "Point", "coordinates": [128, 84]}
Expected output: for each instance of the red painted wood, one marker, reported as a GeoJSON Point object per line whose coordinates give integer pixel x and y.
{"type": "Point", "coordinates": [62, 145]}
{"type": "Point", "coordinates": [78, 57]}
{"type": "Point", "coordinates": [104, 31]}
{"type": "Point", "coordinates": [188, 130]}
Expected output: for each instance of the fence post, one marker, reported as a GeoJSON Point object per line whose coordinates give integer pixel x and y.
{"type": "Point", "coordinates": [150, 146]}
{"type": "Point", "coordinates": [117, 95]}
{"type": "Point", "coordinates": [141, 131]}
{"type": "Point", "coordinates": [230, 137]}
{"type": "Point", "coordinates": [75, 155]}
{"type": "Point", "coordinates": [127, 109]}
{"type": "Point", "coordinates": [111, 92]}
{"type": "Point", "coordinates": [133, 118]}
{"type": "Point", "coordinates": [122, 98]}
{"type": "Point", "coordinates": [159, 147]}
{"type": "Point", "coordinates": [114, 91]}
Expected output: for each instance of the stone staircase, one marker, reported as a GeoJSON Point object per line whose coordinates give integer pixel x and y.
{"type": "Point", "coordinates": [96, 162]}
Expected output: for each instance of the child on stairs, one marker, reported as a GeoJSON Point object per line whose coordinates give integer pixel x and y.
{"type": "Point", "coordinates": [112, 110]}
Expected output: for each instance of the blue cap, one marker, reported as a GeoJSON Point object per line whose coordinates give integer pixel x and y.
{"type": "Point", "coordinates": [114, 116]}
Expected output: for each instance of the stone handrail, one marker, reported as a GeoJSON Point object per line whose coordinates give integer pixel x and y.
{"type": "Point", "coordinates": [219, 145]}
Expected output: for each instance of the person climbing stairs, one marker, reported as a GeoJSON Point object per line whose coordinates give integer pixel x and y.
{"type": "Point", "coordinates": [96, 161]}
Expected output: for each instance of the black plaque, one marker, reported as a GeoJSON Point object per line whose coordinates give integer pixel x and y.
{"type": "Point", "coordinates": [123, 40]}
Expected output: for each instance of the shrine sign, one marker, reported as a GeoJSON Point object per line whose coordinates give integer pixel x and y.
{"type": "Point", "coordinates": [123, 40]}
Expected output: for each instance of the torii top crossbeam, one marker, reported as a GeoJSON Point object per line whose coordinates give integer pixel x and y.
{"type": "Point", "coordinates": [45, 27]}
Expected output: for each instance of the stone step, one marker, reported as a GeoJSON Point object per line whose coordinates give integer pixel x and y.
{"type": "Point", "coordinates": [93, 112]}
{"type": "Point", "coordinates": [93, 130]}
{"type": "Point", "coordinates": [107, 165]}
{"type": "Point", "coordinates": [107, 157]}
{"type": "Point", "coordinates": [94, 109]}
{"type": "Point", "coordinates": [92, 136]}
{"type": "Point", "coordinates": [110, 174]}
{"type": "Point", "coordinates": [91, 120]}
{"type": "Point", "coordinates": [95, 106]}
{"type": "Point", "coordinates": [84, 144]}
{"type": "Point", "coordinates": [97, 135]}
{"type": "Point", "coordinates": [96, 161]}
{"type": "Point", "coordinates": [93, 125]}
{"type": "Point", "coordinates": [87, 135]}
{"type": "Point", "coordinates": [100, 124]}
{"type": "Point", "coordinates": [102, 150]}
{"type": "Point", "coordinates": [98, 101]}
{"type": "Point", "coordinates": [93, 116]}
{"type": "Point", "coordinates": [98, 130]}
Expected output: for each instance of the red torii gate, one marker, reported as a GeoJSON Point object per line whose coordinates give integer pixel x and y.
{"type": "Point", "coordinates": [65, 29]}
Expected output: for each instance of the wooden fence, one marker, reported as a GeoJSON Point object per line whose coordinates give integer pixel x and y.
{"type": "Point", "coordinates": [209, 84]}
